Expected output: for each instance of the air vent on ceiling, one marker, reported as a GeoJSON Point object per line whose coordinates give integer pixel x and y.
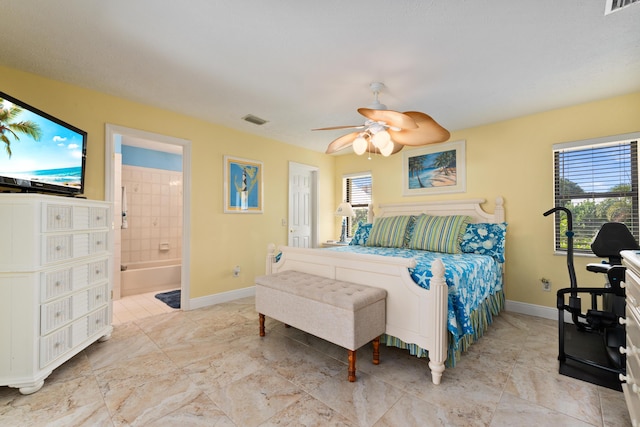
{"type": "Point", "coordinates": [615, 5]}
{"type": "Point", "coordinates": [253, 119]}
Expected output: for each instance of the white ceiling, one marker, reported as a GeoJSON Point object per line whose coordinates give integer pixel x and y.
{"type": "Point", "coordinates": [302, 64]}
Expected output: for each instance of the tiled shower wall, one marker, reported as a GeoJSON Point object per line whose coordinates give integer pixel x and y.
{"type": "Point", "coordinates": [154, 213]}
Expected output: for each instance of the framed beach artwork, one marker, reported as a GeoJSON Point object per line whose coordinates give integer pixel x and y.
{"type": "Point", "coordinates": [435, 169]}
{"type": "Point", "coordinates": [243, 186]}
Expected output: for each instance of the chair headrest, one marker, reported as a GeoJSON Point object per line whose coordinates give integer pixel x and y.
{"type": "Point", "coordinates": [612, 238]}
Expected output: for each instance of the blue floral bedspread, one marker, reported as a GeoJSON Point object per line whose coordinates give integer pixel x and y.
{"type": "Point", "coordinates": [470, 278]}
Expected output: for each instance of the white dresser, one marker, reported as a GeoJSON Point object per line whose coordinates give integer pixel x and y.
{"type": "Point", "coordinates": [55, 283]}
{"type": "Point", "coordinates": [631, 382]}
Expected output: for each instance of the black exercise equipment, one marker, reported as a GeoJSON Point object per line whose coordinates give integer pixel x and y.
{"type": "Point", "coordinates": [589, 346]}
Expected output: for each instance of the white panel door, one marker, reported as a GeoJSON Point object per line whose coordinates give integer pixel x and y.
{"type": "Point", "coordinates": [301, 205]}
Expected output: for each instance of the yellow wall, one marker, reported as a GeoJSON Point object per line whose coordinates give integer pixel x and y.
{"type": "Point", "coordinates": [513, 159]}
{"type": "Point", "coordinates": [218, 241]}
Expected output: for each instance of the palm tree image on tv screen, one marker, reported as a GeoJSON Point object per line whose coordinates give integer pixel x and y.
{"type": "Point", "coordinates": [40, 152]}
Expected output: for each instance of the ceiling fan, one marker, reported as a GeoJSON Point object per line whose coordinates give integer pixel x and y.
{"type": "Point", "coordinates": [386, 131]}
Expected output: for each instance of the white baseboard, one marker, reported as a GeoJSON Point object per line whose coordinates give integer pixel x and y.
{"type": "Point", "coordinates": [514, 306]}
{"type": "Point", "coordinates": [214, 299]}
{"type": "Point", "coordinates": [535, 310]}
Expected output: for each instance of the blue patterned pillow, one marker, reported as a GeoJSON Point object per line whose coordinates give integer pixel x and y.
{"type": "Point", "coordinates": [485, 239]}
{"type": "Point", "coordinates": [361, 235]}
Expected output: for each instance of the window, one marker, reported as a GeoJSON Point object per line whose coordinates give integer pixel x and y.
{"type": "Point", "coordinates": [597, 180]}
{"type": "Point", "coordinates": [357, 191]}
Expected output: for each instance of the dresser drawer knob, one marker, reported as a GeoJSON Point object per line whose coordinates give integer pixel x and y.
{"type": "Point", "coordinates": [623, 285]}
{"type": "Point", "coordinates": [57, 284]}
{"type": "Point", "coordinates": [58, 248]}
{"type": "Point", "coordinates": [58, 314]}
{"type": "Point", "coordinates": [622, 320]}
{"type": "Point", "coordinates": [625, 378]}
{"type": "Point", "coordinates": [98, 218]}
{"type": "Point", "coordinates": [98, 296]}
{"type": "Point", "coordinates": [629, 350]}
{"type": "Point", "coordinates": [97, 271]}
{"type": "Point", "coordinates": [99, 242]}
{"type": "Point", "coordinates": [58, 217]}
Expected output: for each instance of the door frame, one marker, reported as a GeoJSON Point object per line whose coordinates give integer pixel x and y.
{"type": "Point", "coordinates": [114, 131]}
{"type": "Point", "coordinates": [313, 171]}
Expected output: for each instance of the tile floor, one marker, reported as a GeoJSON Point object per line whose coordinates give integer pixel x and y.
{"type": "Point", "coordinates": [137, 307]}
{"type": "Point", "coordinates": [209, 367]}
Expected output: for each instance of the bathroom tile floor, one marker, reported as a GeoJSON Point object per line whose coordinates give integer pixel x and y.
{"type": "Point", "coordinates": [209, 367]}
{"type": "Point", "coordinates": [137, 307]}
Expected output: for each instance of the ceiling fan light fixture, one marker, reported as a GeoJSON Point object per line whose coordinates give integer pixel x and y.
{"type": "Point", "coordinates": [360, 145]}
{"type": "Point", "coordinates": [387, 149]}
{"type": "Point", "coordinates": [382, 139]}
{"type": "Point", "coordinates": [387, 131]}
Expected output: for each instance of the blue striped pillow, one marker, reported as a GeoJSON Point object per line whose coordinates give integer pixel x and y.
{"type": "Point", "coordinates": [388, 232]}
{"type": "Point", "coordinates": [439, 233]}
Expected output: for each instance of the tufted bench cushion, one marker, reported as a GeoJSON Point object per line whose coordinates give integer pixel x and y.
{"type": "Point", "coordinates": [346, 295]}
{"type": "Point", "coordinates": [344, 313]}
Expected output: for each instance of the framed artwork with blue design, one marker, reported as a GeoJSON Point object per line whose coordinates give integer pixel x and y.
{"type": "Point", "coordinates": [243, 186]}
{"type": "Point", "coordinates": [435, 169]}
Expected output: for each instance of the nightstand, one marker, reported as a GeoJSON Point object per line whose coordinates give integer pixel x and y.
{"type": "Point", "coordinates": [333, 243]}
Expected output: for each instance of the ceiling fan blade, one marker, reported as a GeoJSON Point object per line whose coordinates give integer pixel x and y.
{"type": "Point", "coordinates": [390, 117]}
{"type": "Point", "coordinates": [342, 127]}
{"type": "Point", "coordinates": [341, 143]}
{"type": "Point", "coordinates": [428, 131]}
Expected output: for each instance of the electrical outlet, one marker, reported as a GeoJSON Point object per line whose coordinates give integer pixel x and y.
{"type": "Point", "coordinates": [546, 284]}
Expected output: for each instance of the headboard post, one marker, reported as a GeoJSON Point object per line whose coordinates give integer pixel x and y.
{"type": "Point", "coordinates": [498, 212]}
{"type": "Point", "coordinates": [271, 258]}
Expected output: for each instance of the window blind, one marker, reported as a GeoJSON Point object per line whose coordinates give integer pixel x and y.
{"type": "Point", "coordinates": [598, 182]}
{"type": "Point", "coordinates": [358, 193]}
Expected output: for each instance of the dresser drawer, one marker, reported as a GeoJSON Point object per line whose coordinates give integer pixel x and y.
{"type": "Point", "coordinates": [632, 289]}
{"type": "Point", "coordinates": [59, 312]}
{"type": "Point", "coordinates": [632, 324]}
{"type": "Point", "coordinates": [97, 321]}
{"type": "Point", "coordinates": [58, 247]}
{"type": "Point", "coordinates": [55, 314]}
{"type": "Point", "coordinates": [55, 345]}
{"type": "Point", "coordinates": [61, 247]}
{"type": "Point", "coordinates": [58, 217]}
{"type": "Point", "coordinates": [98, 217]}
{"type": "Point", "coordinates": [69, 217]}
{"type": "Point", "coordinates": [73, 335]}
{"type": "Point", "coordinates": [55, 283]}
{"type": "Point", "coordinates": [97, 296]}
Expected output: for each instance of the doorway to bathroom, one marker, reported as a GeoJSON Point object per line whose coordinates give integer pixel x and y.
{"type": "Point", "coordinates": [146, 178]}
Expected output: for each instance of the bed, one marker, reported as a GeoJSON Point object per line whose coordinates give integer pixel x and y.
{"type": "Point", "coordinates": [442, 290]}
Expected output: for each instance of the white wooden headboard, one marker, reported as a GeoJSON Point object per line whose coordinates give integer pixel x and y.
{"type": "Point", "coordinates": [470, 207]}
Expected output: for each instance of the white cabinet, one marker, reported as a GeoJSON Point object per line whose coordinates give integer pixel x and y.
{"type": "Point", "coordinates": [55, 283]}
{"type": "Point", "coordinates": [631, 382]}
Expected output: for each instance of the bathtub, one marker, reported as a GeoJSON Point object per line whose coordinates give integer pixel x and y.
{"type": "Point", "coordinates": [150, 276]}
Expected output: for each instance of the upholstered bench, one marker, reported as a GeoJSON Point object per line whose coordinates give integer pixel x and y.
{"type": "Point", "coordinates": [346, 314]}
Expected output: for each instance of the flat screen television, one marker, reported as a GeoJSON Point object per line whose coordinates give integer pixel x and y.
{"type": "Point", "coordinates": [38, 152]}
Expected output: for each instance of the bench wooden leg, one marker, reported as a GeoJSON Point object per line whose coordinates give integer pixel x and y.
{"type": "Point", "coordinates": [376, 351]}
{"type": "Point", "coordinates": [352, 365]}
{"type": "Point", "coordinates": [261, 317]}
